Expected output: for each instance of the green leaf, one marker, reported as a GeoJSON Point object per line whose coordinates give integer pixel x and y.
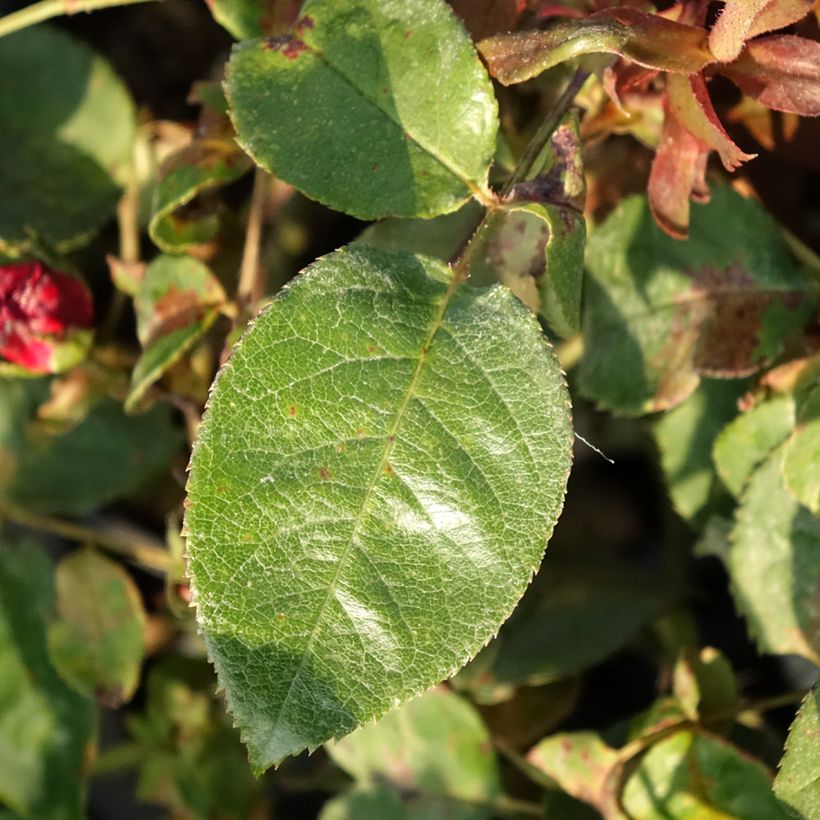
{"type": "Point", "coordinates": [107, 454]}
{"type": "Point", "coordinates": [368, 500]}
{"type": "Point", "coordinates": [45, 726]}
{"type": "Point", "coordinates": [177, 300]}
{"type": "Point", "coordinates": [685, 437]}
{"type": "Point", "coordinates": [373, 107]}
{"type": "Point", "coordinates": [577, 613]}
{"type": "Point", "coordinates": [192, 761]}
{"type": "Point", "coordinates": [705, 686]}
{"type": "Point", "coordinates": [773, 564]}
{"type": "Point", "coordinates": [661, 312]}
{"type": "Point", "coordinates": [68, 131]}
{"type": "Point", "coordinates": [798, 780]}
{"type": "Point", "coordinates": [697, 775]}
{"type": "Point", "coordinates": [579, 762]}
{"type": "Point", "coordinates": [801, 464]}
{"type": "Point", "coordinates": [434, 749]}
{"type": "Point", "coordinates": [96, 644]}
{"type": "Point", "coordinates": [204, 165]}
{"type": "Point", "coordinates": [747, 440]}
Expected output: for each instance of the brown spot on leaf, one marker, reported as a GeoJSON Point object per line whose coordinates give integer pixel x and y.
{"type": "Point", "coordinates": [388, 468]}
{"type": "Point", "coordinates": [247, 537]}
{"type": "Point", "coordinates": [324, 473]}
{"type": "Point", "coordinates": [291, 47]}
{"type": "Point", "coordinates": [292, 410]}
{"type": "Point", "coordinates": [304, 23]}
{"type": "Point", "coordinates": [391, 438]}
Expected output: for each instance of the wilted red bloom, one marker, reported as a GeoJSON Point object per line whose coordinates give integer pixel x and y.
{"type": "Point", "coordinates": [39, 307]}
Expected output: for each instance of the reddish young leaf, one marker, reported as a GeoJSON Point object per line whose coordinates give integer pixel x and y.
{"type": "Point", "coordinates": [678, 173]}
{"type": "Point", "coordinates": [781, 72]}
{"type": "Point", "coordinates": [741, 20]}
{"type": "Point", "coordinates": [689, 100]}
{"type": "Point", "coordinates": [43, 314]}
{"type": "Point", "coordinates": [643, 38]}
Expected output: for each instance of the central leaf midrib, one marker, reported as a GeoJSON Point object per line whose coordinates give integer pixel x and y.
{"type": "Point", "coordinates": [444, 161]}
{"type": "Point", "coordinates": [390, 438]}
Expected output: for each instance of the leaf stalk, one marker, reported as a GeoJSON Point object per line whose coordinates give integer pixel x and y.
{"type": "Point", "coordinates": [46, 9]}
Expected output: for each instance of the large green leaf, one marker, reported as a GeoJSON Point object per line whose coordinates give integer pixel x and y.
{"type": "Point", "coordinates": [434, 749]}
{"type": "Point", "coordinates": [106, 455]}
{"type": "Point", "coordinates": [798, 781]}
{"type": "Point", "coordinates": [45, 726]}
{"type": "Point", "coordinates": [373, 107]}
{"type": "Point", "coordinates": [380, 466]}
{"type": "Point", "coordinates": [773, 564]}
{"type": "Point", "coordinates": [96, 643]}
{"type": "Point", "coordinates": [660, 312]}
{"type": "Point", "coordinates": [68, 129]}
{"type": "Point", "coordinates": [694, 775]}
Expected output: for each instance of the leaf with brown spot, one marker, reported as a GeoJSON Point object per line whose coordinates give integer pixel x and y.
{"type": "Point", "coordinates": [177, 300]}
{"type": "Point", "coordinates": [781, 72]}
{"type": "Point", "coordinates": [643, 38]}
{"type": "Point", "coordinates": [660, 312]}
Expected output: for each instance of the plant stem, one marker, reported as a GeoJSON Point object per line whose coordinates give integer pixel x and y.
{"type": "Point", "coordinates": [523, 169]}
{"type": "Point", "coordinates": [251, 284]}
{"type": "Point", "coordinates": [124, 756]}
{"type": "Point", "coordinates": [46, 9]}
{"type": "Point", "coordinates": [122, 539]}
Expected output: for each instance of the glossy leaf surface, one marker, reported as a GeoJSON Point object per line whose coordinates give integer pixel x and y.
{"type": "Point", "coordinates": [68, 128]}
{"type": "Point", "coordinates": [434, 749]}
{"type": "Point", "coordinates": [798, 780]}
{"type": "Point", "coordinates": [659, 313]}
{"type": "Point", "coordinates": [45, 726]}
{"type": "Point", "coordinates": [773, 564]}
{"type": "Point", "coordinates": [373, 107]}
{"type": "Point", "coordinates": [96, 643]}
{"type": "Point", "coordinates": [367, 502]}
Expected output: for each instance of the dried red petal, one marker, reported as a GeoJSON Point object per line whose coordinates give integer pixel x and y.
{"type": "Point", "coordinates": [39, 307]}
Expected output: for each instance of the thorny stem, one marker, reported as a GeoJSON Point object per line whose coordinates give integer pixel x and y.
{"type": "Point", "coordinates": [125, 540]}
{"type": "Point", "coordinates": [46, 9]}
{"type": "Point", "coordinates": [525, 167]}
{"type": "Point", "coordinates": [251, 285]}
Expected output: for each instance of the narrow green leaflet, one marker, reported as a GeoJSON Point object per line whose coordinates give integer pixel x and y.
{"type": "Point", "coordinates": [747, 440]}
{"type": "Point", "coordinates": [801, 464]}
{"type": "Point", "coordinates": [105, 456]}
{"type": "Point", "coordinates": [798, 780]}
{"type": "Point", "coordinates": [697, 775]}
{"type": "Point", "coordinates": [68, 130]}
{"type": "Point", "coordinates": [705, 686]}
{"type": "Point", "coordinates": [435, 749]}
{"type": "Point", "coordinates": [368, 500]}
{"type": "Point", "coordinates": [45, 726]}
{"type": "Point", "coordinates": [374, 107]}
{"type": "Point", "coordinates": [177, 300]}
{"type": "Point", "coordinates": [773, 564]}
{"type": "Point", "coordinates": [96, 643]}
{"type": "Point", "coordinates": [685, 437]}
{"type": "Point", "coordinates": [204, 165]}
{"type": "Point", "coordinates": [660, 312]}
